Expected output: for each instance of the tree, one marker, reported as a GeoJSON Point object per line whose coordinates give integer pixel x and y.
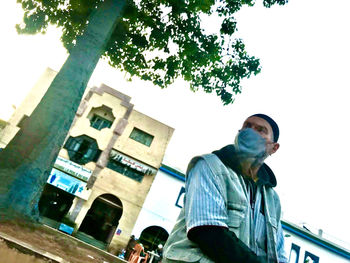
{"type": "Point", "coordinates": [156, 40]}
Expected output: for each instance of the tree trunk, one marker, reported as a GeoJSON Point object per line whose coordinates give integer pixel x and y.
{"type": "Point", "coordinates": [26, 162]}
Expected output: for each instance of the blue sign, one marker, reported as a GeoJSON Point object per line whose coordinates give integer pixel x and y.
{"type": "Point", "coordinates": [67, 183]}
{"type": "Point", "coordinates": [65, 228]}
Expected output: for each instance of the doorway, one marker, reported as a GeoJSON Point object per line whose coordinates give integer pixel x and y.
{"type": "Point", "coordinates": [54, 203]}
{"type": "Point", "coordinates": [102, 219]}
{"type": "Point", "coordinates": [152, 236]}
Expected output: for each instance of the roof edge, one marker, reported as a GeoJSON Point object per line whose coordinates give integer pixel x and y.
{"type": "Point", "coordinates": [341, 251]}
{"type": "Point", "coordinates": [171, 171]}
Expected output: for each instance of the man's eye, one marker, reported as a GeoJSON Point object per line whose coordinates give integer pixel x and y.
{"type": "Point", "coordinates": [261, 130]}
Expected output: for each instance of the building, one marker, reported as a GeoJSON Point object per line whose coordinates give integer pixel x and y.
{"type": "Point", "coordinates": [161, 208]}
{"type": "Point", "coordinates": [164, 202]}
{"type": "Point", "coordinates": [305, 246]}
{"type": "Point", "coordinates": [105, 168]}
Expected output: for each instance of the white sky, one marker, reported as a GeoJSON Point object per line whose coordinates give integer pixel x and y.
{"type": "Point", "coordinates": [304, 52]}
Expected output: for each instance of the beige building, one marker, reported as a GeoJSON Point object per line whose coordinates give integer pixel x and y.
{"type": "Point", "coordinates": [105, 168]}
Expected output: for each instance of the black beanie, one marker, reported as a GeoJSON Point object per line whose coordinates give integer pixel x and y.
{"type": "Point", "coordinates": [273, 124]}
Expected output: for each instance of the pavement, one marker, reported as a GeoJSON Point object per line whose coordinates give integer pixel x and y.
{"type": "Point", "coordinates": [27, 248]}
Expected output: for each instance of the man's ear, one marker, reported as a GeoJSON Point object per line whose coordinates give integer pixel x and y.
{"type": "Point", "coordinates": [275, 147]}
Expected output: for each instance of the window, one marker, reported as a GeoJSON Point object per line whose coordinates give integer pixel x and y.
{"type": "Point", "coordinates": [125, 170]}
{"type": "Point", "coordinates": [99, 123]}
{"type": "Point", "coordinates": [180, 198]}
{"type": "Point", "coordinates": [82, 149]}
{"type": "Point", "coordinates": [310, 258]}
{"type": "Point", "coordinates": [101, 117]}
{"type": "Point", "coordinates": [22, 121]}
{"type": "Point", "coordinates": [2, 124]}
{"type": "Point", "coordinates": [141, 137]}
{"type": "Point", "coordinates": [294, 254]}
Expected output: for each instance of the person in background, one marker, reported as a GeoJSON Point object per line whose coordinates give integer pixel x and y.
{"type": "Point", "coordinates": [130, 247]}
{"type": "Point", "coordinates": [231, 212]}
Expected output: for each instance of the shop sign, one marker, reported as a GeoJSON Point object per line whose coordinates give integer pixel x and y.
{"type": "Point", "coordinates": [68, 183]}
{"type": "Point", "coordinates": [119, 157]}
{"type": "Point", "coordinates": [72, 168]}
{"type": "Point", "coordinates": [65, 228]}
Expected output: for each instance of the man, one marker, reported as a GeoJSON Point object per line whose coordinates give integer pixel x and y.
{"type": "Point", "coordinates": [231, 212]}
{"type": "Point", "coordinates": [130, 247]}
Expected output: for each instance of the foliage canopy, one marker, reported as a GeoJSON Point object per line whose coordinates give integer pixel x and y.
{"type": "Point", "coordinates": [160, 40]}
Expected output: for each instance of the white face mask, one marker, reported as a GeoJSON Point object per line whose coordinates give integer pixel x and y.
{"type": "Point", "coordinates": [251, 145]}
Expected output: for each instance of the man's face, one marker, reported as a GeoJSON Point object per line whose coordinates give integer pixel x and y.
{"type": "Point", "coordinates": [262, 127]}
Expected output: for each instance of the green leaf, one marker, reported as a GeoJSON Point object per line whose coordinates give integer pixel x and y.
{"type": "Point", "coordinates": [169, 31]}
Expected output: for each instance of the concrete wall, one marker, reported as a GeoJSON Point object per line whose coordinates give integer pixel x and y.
{"type": "Point", "coordinates": [153, 154]}
{"type": "Point", "coordinates": [27, 106]}
{"type": "Point", "coordinates": [82, 123]}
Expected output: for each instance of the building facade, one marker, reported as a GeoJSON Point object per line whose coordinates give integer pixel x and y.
{"type": "Point", "coordinates": [105, 168]}
{"type": "Point", "coordinates": [304, 246]}
{"type": "Point", "coordinates": [161, 208]}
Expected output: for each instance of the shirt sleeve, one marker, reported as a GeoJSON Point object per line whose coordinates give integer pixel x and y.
{"type": "Point", "coordinates": [205, 198]}
{"type": "Point", "coordinates": [222, 246]}
{"type": "Point", "coordinates": [282, 256]}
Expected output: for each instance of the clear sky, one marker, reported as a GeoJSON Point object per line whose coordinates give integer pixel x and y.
{"type": "Point", "coordinates": [304, 86]}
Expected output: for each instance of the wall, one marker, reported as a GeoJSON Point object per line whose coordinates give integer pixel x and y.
{"type": "Point", "coordinates": [325, 256]}
{"type": "Point", "coordinates": [152, 155]}
{"type": "Point", "coordinates": [159, 208]}
{"type": "Point", "coordinates": [27, 106]}
{"type": "Point", "coordinates": [82, 123]}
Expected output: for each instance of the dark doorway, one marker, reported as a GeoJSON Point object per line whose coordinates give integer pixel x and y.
{"type": "Point", "coordinates": [152, 236]}
{"type": "Point", "coordinates": [54, 203]}
{"type": "Point", "coordinates": [102, 219]}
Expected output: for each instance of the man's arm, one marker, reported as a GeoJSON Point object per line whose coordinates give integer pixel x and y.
{"type": "Point", "coordinates": [206, 217]}
{"type": "Point", "coordinates": [222, 245]}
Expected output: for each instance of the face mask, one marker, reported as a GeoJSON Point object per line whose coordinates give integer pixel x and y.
{"type": "Point", "coordinates": [250, 145]}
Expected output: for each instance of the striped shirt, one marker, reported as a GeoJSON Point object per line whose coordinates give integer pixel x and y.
{"type": "Point", "coordinates": [205, 205]}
